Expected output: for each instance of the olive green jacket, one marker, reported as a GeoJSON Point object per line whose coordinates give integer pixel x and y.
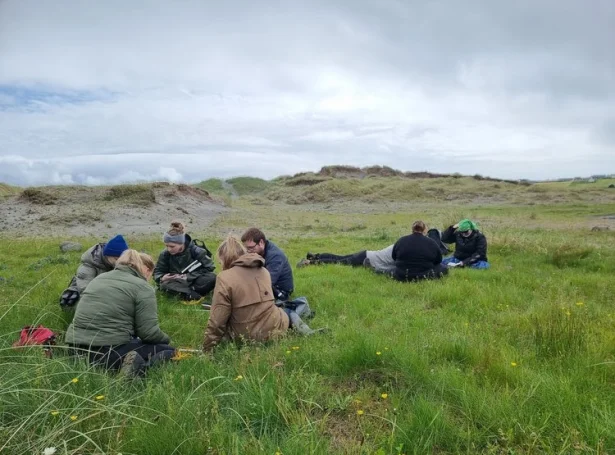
{"type": "Point", "coordinates": [116, 307]}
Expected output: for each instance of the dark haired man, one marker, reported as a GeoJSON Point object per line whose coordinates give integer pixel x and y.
{"type": "Point", "coordinates": [276, 262]}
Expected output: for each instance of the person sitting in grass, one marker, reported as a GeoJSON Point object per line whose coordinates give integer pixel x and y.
{"type": "Point", "coordinates": [243, 304]}
{"type": "Point", "coordinates": [183, 268]}
{"type": "Point", "coordinates": [97, 260]}
{"type": "Point", "coordinates": [381, 261]}
{"type": "Point", "coordinates": [276, 262]}
{"type": "Point", "coordinates": [417, 257]}
{"type": "Point", "coordinates": [470, 246]}
{"type": "Point", "coordinates": [116, 321]}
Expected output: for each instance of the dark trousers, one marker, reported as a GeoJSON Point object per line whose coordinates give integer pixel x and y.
{"type": "Point", "coordinates": [193, 288]}
{"type": "Point", "coordinates": [405, 275]}
{"type": "Point", "coordinates": [111, 357]}
{"type": "Point", "coordinates": [355, 259]}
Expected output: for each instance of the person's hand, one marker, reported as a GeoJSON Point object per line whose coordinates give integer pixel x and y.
{"type": "Point", "coordinates": [167, 277]}
{"type": "Point", "coordinates": [455, 226]}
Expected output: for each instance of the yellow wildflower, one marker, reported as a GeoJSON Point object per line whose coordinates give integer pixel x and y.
{"type": "Point", "coordinates": [378, 353]}
{"type": "Point", "coordinates": [360, 412]}
{"type": "Point", "coordinates": [55, 413]}
{"type": "Point", "coordinates": [287, 352]}
{"type": "Point", "coordinates": [239, 378]}
{"type": "Point", "coordinates": [513, 364]}
{"type": "Point", "coordinates": [580, 304]}
{"type": "Point", "coordinates": [74, 380]}
{"type": "Point", "coordinates": [295, 348]}
{"type": "Point", "coordinates": [73, 418]}
{"type": "Point", "coordinates": [384, 396]}
{"type": "Point", "coordinates": [100, 397]}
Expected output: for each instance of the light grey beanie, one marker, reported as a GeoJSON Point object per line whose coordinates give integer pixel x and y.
{"type": "Point", "coordinates": [177, 238]}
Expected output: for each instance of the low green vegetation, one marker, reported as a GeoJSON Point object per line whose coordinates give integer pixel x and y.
{"type": "Point", "coordinates": [518, 359]}
{"type": "Point", "coordinates": [135, 194]}
{"type": "Point", "coordinates": [212, 186]}
{"type": "Point", "coordinates": [8, 190]}
{"type": "Point", "coordinates": [248, 185]}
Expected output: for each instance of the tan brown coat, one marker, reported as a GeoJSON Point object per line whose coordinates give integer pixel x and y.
{"type": "Point", "coordinates": [243, 304]}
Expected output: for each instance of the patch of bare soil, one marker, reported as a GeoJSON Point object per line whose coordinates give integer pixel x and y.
{"type": "Point", "coordinates": [106, 211]}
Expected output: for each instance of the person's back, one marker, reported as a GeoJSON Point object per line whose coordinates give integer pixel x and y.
{"type": "Point", "coordinates": [279, 267]}
{"type": "Point", "coordinates": [417, 256]}
{"type": "Point", "coordinates": [115, 307]}
{"type": "Point", "coordinates": [243, 304]}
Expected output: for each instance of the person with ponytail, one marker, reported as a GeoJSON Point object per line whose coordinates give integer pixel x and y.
{"type": "Point", "coordinates": [116, 321]}
{"type": "Point", "coordinates": [417, 257]}
{"type": "Point", "coordinates": [183, 268]}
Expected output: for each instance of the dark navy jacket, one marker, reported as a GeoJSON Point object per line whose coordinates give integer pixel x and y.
{"type": "Point", "coordinates": [278, 266]}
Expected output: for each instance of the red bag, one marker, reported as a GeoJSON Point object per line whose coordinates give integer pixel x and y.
{"type": "Point", "coordinates": [32, 336]}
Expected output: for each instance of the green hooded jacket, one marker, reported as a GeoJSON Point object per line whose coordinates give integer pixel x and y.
{"type": "Point", "coordinates": [116, 307]}
{"type": "Point", "coordinates": [168, 263]}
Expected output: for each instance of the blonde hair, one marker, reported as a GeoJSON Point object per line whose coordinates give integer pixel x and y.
{"type": "Point", "coordinates": [138, 261]}
{"type": "Point", "coordinates": [419, 227]}
{"type": "Point", "coordinates": [229, 250]}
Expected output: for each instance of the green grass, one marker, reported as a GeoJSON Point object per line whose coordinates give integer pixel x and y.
{"type": "Point", "coordinates": [212, 186]}
{"type": "Point", "coordinates": [518, 359]}
{"type": "Point", "coordinates": [245, 186]}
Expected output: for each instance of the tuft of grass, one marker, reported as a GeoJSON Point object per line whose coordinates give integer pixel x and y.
{"type": "Point", "coordinates": [37, 196]}
{"type": "Point", "coordinates": [136, 194]}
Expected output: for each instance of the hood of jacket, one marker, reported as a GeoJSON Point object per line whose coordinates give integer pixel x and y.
{"type": "Point", "coordinates": [95, 257]}
{"type": "Point", "coordinates": [249, 260]}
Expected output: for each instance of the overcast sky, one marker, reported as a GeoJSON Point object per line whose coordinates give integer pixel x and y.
{"type": "Point", "coordinates": [114, 91]}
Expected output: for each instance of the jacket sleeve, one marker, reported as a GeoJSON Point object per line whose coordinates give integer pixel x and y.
{"type": "Point", "coordinates": [162, 266]}
{"type": "Point", "coordinates": [146, 318]}
{"type": "Point", "coordinates": [201, 255]}
{"type": "Point", "coordinates": [480, 253]}
{"type": "Point", "coordinates": [85, 274]}
{"type": "Point", "coordinates": [394, 252]}
{"type": "Point", "coordinates": [219, 316]}
{"type": "Point", "coordinates": [448, 236]}
{"type": "Point", "coordinates": [438, 256]}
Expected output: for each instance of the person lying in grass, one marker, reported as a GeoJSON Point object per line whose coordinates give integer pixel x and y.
{"type": "Point", "coordinates": [116, 321]}
{"type": "Point", "coordinates": [183, 268]}
{"type": "Point", "coordinates": [470, 246]}
{"type": "Point", "coordinates": [380, 261]}
{"type": "Point", "coordinates": [417, 257]}
{"type": "Point", "coordinates": [96, 260]}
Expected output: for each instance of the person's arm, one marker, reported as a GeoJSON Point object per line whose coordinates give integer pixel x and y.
{"type": "Point", "coordinates": [394, 252]}
{"type": "Point", "coordinates": [85, 274]}
{"type": "Point", "coordinates": [146, 318]}
{"type": "Point", "coordinates": [162, 267]}
{"type": "Point", "coordinates": [274, 266]}
{"type": "Point", "coordinates": [220, 314]}
{"type": "Point", "coordinates": [448, 236]}
{"type": "Point", "coordinates": [438, 253]}
{"type": "Point", "coordinates": [199, 254]}
{"type": "Point", "coordinates": [481, 251]}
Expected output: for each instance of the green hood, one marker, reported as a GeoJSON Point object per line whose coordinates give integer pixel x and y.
{"type": "Point", "coordinates": [467, 225]}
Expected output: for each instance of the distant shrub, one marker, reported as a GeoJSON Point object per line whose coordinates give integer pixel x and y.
{"type": "Point", "coordinates": [143, 194]}
{"type": "Point", "coordinates": [36, 196]}
{"type": "Point", "coordinates": [569, 256]}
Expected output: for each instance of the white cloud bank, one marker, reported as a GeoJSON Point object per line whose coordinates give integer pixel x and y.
{"type": "Point", "coordinates": [112, 92]}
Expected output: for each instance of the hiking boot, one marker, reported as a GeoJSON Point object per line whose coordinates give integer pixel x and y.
{"type": "Point", "coordinates": [133, 365]}
{"type": "Point", "coordinates": [303, 263]}
{"type": "Point", "coordinates": [311, 256]}
{"type": "Point", "coordinates": [301, 327]}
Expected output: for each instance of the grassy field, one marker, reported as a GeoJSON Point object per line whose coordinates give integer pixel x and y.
{"type": "Point", "coordinates": [518, 359]}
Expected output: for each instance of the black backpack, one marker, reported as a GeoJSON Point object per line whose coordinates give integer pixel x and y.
{"type": "Point", "coordinates": [201, 244]}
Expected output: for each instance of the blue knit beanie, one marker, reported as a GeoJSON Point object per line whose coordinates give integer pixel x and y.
{"type": "Point", "coordinates": [115, 247]}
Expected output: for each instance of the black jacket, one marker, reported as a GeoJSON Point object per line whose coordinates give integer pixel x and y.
{"type": "Point", "coordinates": [415, 256]}
{"type": "Point", "coordinates": [467, 249]}
{"type": "Point", "coordinates": [278, 266]}
{"type": "Point", "coordinates": [168, 263]}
